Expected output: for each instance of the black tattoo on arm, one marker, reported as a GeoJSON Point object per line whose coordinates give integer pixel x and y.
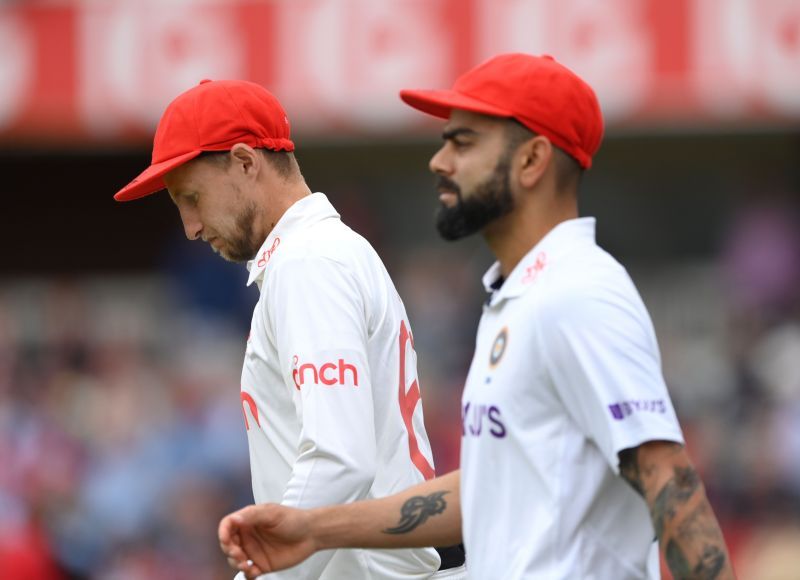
{"type": "Point", "coordinates": [684, 522]}
{"type": "Point", "coordinates": [417, 510]}
{"type": "Point", "coordinates": [698, 529]}
{"type": "Point", "coordinates": [673, 496]}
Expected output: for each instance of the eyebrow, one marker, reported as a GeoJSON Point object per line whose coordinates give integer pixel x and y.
{"type": "Point", "coordinates": [450, 134]}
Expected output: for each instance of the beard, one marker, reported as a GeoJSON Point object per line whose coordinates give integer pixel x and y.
{"type": "Point", "coordinates": [488, 201]}
{"type": "Point", "coordinates": [243, 245]}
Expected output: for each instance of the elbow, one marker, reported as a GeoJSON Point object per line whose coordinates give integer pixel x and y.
{"type": "Point", "coordinates": [359, 475]}
{"type": "Point", "coordinates": [350, 473]}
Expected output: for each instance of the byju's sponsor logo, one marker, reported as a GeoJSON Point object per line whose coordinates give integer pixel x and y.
{"type": "Point", "coordinates": [479, 419]}
{"type": "Point", "coordinates": [328, 373]}
{"type": "Point", "coordinates": [627, 408]}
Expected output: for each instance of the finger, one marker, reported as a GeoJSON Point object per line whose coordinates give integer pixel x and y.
{"type": "Point", "coordinates": [226, 530]}
{"type": "Point", "coordinates": [250, 569]}
{"type": "Point", "coordinates": [236, 554]}
{"type": "Point", "coordinates": [248, 515]}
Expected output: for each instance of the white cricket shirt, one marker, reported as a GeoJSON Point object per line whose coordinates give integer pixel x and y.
{"type": "Point", "coordinates": [566, 374]}
{"type": "Point", "coordinates": [330, 393]}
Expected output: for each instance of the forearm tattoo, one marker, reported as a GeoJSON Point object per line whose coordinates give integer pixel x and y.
{"type": "Point", "coordinates": [674, 495]}
{"type": "Point", "coordinates": [694, 546]}
{"type": "Point", "coordinates": [417, 510]}
{"type": "Point", "coordinates": [698, 529]}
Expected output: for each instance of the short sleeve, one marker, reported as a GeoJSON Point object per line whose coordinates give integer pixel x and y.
{"type": "Point", "coordinates": [602, 359]}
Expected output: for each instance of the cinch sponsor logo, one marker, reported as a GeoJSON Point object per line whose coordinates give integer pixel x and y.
{"type": "Point", "coordinates": [627, 408]}
{"type": "Point", "coordinates": [478, 419]}
{"type": "Point", "coordinates": [328, 373]}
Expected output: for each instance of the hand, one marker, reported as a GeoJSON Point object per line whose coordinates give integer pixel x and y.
{"type": "Point", "coordinates": [265, 538]}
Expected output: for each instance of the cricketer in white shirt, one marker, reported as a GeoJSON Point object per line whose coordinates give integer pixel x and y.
{"type": "Point", "coordinates": [566, 374]}
{"type": "Point", "coordinates": [330, 393]}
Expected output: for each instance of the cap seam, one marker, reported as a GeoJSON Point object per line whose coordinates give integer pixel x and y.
{"type": "Point", "coordinates": [239, 110]}
{"type": "Point", "coordinates": [196, 123]}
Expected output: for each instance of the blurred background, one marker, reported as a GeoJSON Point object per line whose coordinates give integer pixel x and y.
{"type": "Point", "coordinates": [121, 433]}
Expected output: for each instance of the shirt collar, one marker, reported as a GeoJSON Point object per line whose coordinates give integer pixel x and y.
{"type": "Point", "coordinates": [301, 215]}
{"type": "Point", "coordinates": [541, 257]}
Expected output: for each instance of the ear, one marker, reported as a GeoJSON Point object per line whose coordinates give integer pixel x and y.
{"type": "Point", "coordinates": [535, 157]}
{"type": "Point", "coordinates": [246, 158]}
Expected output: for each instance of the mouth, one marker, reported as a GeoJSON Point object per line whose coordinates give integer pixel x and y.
{"type": "Point", "coordinates": [448, 198]}
{"type": "Point", "coordinates": [449, 192]}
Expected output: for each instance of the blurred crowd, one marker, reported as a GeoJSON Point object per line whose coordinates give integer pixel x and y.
{"type": "Point", "coordinates": [122, 440]}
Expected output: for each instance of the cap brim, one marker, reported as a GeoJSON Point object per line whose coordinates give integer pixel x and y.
{"type": "Point", "coordinates": [151, 179]}
{"type": "Point", "coordinates": [440, 103]}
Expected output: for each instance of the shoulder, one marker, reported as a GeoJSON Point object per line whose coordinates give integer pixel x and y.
{"type": "Point", "coordinates": [330, 240]}
{"type": "Point", "coordinates": [325, 257]}
{"type": "Point", "coordinates": [589, 288]}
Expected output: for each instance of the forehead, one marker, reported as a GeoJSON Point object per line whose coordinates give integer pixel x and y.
{"type": "Point", "coordinates": [475, 121]}
{"type": "Point", "coordinates": [188, 175]}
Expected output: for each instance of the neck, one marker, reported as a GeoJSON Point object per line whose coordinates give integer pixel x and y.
{"type": "Point", "coordinates": [279, 201]}
{"type": "Point", "coordinates": [511, 237]}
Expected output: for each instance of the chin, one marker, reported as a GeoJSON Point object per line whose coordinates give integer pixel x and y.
{"type": "Point", "coordinates": [235, 259]}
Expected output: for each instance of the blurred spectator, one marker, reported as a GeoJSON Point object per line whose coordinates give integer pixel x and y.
{"type": "Point", "coordinates": [115, 437]}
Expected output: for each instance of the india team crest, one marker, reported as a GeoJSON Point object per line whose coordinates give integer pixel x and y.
{"type": "Point", "coordinates": [499, 347]}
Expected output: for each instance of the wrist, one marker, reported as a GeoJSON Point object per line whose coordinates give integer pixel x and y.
{"type": "Point", "coordinates": [323, 528]}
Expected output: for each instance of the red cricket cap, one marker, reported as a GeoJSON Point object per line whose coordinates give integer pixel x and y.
{"type": "Point", "coordinates": [537, 91]}
{"type": "Point", "coordinates": [213, 116]}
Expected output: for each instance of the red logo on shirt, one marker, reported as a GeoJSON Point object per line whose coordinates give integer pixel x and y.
{"type": "Point", "coordinates": [251, 404]}
{"type": "Point", "coordinates": [408, 402]}
{"type": "Point", "coordinates": [532, 272]}
{"type": "Point", "coordinates": [266, 255]}
{"type": "Point", "coordinates": [328, 373]}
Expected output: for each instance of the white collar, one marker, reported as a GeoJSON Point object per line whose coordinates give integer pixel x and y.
{"type": "Point", "coordinates": [540, 257]}
{"type": "Point", "coordinates": [302, 214]}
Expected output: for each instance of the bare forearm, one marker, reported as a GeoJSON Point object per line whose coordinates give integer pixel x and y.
{"type": "Point", "coordinates": [689, 535]}
{"type": "Point", "coordinates": [428, 514]}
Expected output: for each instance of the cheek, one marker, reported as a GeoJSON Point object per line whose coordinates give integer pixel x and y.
{"type": "Point", "coordinates": [477, 168]}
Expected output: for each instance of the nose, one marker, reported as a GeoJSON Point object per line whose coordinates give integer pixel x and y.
{"type": "Point", "coordinates": [439, 163]}
{"type": "Point", "coordinates": [192, 226]}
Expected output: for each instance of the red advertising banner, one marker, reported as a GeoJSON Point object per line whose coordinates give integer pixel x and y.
{"type": "Point", "coordinates": [103, 71]}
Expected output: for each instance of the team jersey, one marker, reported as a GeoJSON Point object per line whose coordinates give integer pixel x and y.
{"type": "Point", "coordinates": [330, 392]}
{"type": "Point", "coordinates": [566, 374]}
